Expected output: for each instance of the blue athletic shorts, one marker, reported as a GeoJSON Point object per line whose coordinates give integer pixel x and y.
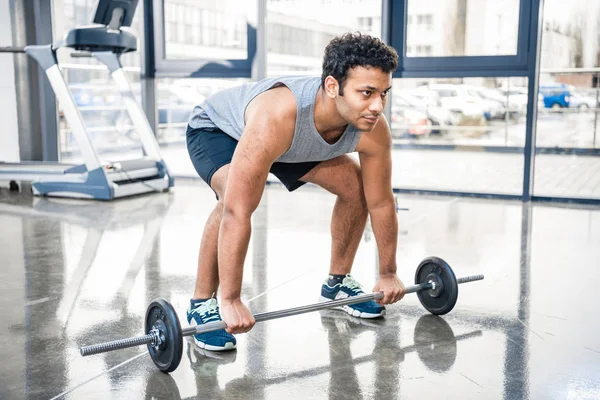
{"type": "Point", "coordinates": [211, 148]}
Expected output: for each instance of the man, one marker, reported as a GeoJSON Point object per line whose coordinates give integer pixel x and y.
{"type": "Point", "coordinates": [300, 129]}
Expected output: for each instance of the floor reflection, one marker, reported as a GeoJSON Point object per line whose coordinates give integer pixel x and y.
{"type": "Point", "coordinates": [434, 342]}
{"type": "Point", "coordinates": [78, 273]}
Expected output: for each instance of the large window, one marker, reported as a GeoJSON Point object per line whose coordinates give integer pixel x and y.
{"type": "Point", "coordinates": [462, 27]}
{"type": "Point", "coordinates": [205, 29]}
{"type": "Point", "coordinates": [568, 116]}
{"type": "Point", "coordinates": [460, 97]}
{"type": "Point", "coordinates": [568, 137]}
{"type": "Point", "coordinates": [462, 135]}
{"type": "Point", "coordinates": [459, 111]}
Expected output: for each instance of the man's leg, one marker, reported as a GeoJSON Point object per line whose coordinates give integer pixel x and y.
{"type": "Point", "coordinates": [210, 151]}
{"type": "Point", "coordinates": [207, 278]}
{"type": "Point", "coordinates": [203, 308]}
{"type": "Point", "coordinates": [341, 176]}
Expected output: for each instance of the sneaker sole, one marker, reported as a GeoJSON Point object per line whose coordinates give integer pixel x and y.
{"type": "Point", "coordinates": [228, 346]}
{"type": "Point", "coordinates": [351, 311]}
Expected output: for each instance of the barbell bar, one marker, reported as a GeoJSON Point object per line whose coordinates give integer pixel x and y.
{"type": "Point", "coordinates": [153, 337]}
{"type": "Point", "coordinates": [437, 289]}
{"type": "Point", "coordinates": [12, 49]}
{"type": "Point", "coordinates": [266, 316]}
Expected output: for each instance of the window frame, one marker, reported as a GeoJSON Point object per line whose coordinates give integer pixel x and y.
{"type": "Point", "coordinates": [200, 67]}
{"type": "Point", "coordinates": [458, 66]}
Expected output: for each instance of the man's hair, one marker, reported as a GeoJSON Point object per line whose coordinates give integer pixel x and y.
{"type": "Point", "coordinates": [356, 50]}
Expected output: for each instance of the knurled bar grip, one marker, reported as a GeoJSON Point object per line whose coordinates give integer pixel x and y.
{"type": "Point", "coordinates": [218, 325]}
{"type": "Point", "coordinates": [468, 279]}
{"type": "Point", "coordinates": [117, 344]}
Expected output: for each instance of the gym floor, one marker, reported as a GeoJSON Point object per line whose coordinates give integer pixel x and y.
{"type": "Point", "coordinates": [76, 273]}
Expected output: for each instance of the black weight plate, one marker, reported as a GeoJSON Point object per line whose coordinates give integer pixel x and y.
{"type": "Point", "coordinates": [446, 298]}
{"type": "Point", "coordinates": [168, 356]}
{"type": "Point", "coordinates": [435, 343]}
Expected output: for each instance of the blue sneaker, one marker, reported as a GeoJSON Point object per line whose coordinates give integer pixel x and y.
{"type": "Point", "coordinates": [349, 287]}
{"type": "Point", "coordinates": [208, 311]}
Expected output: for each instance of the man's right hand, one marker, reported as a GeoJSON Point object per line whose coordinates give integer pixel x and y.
{"type": "Point", "coordinates": [237, 316]}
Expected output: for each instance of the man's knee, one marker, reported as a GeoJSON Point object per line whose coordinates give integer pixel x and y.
{"type": "Point", "coordinates": [219, 206]}
{"type": "Point", "coordinates": [348, 184]}
{"type": "Point", "coordinates": [340, 176]}
{"type": "Point", "coordinates": [218, 182]}
{"type": "Point", "coordinates": [351, 185]}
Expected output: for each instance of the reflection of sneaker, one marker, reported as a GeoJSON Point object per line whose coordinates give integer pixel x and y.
{"type": "Point", "coordinates": [199, 356]}
{"type": "Point", "coordinates": [348, 288]}
{"type": "Point", "coordinates": [208, 311]}
{"type": "Point", "coordinates": [349, 323]}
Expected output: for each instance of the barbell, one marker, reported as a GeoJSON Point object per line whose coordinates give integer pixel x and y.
{"type": "Point", "coordinates": [435, 284]}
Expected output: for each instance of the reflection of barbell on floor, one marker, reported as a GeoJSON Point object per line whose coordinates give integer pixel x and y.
{"type": "Point", "coordinates": [436, 286]}
{"type": "Point", "coordinates": [431, 333]}
{"type": "Point", "coordinates": [435, 344]}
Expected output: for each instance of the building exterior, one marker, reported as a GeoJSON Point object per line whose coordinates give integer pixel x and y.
{"type": "Point", "coordinates": [297, 35]}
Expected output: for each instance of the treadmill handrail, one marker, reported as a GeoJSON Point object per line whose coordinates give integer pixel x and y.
{"type": "Point", "coordinates": [137, 115]}
{"type": "Point", "coordinates": [45, 55]}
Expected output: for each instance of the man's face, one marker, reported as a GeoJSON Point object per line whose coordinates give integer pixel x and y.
{"type": "Point", "coordinates": [364, 97]}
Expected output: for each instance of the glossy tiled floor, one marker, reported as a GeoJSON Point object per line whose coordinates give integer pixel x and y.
{"type": "Point", "coordinates": [75, 273]}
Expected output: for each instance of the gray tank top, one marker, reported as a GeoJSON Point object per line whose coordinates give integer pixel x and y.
{"type": "Point", "coordinates": [225, 110]}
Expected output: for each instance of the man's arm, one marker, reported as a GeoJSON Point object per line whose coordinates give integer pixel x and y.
{"type": "Point", "coordinates": [375, 153]}
{"type": "Point", "coordinates": [270, 120]}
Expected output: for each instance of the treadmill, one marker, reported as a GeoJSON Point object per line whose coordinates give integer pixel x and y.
{"type": "Point", "coordinates": [93, 179]}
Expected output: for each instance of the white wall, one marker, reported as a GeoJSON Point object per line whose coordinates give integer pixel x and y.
{"type": "Point", "coordinates": [438, 34]}
{"type": "Point", "coordinates": [9, 135]}
{"type": "Point", "coordinates": [492, 27]}
{"type": "Point", "coordinates": [558, 50]}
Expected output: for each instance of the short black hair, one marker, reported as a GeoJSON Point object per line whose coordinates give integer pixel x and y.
{"type": "Point", "coordinates": [356, 50]}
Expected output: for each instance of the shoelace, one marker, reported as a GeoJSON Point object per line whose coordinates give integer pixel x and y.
{"type": "Point", "coordinates": [208, 311]}
{"type": "Point", "coordinates": [353, 285]}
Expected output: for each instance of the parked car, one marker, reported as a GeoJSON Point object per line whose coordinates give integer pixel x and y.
{"type": "Point", "coordinates": [430, 103]}
{"type": "Point", "coordinates": [583, 101]}
{"type": "Point", "coordinates": [467, 108]}
{"type": "Point", "coordinates": [556, 96]}
{"type": "Point", "coordinates": [500, 104]}
{"type": "Point", "coordinates": [518, 96]}
{"type": "Point", "coordinates": [457, 99]}
{"type": "Point", "coordinates": [492, 108]}
{"type": "Point", "coordinates": [407, 121]}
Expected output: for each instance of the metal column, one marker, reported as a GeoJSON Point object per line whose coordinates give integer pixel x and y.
{"type": "Point", "coordinates": [386, 36]}
{"type": "Point", "coordinates": [36, 104]}
{"type": "Point", "coordinates": [533, 75]}
{"type": "Point", "coordinates": [259, 67]}
{"type": "Point", "coordinates": [148, 75]}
